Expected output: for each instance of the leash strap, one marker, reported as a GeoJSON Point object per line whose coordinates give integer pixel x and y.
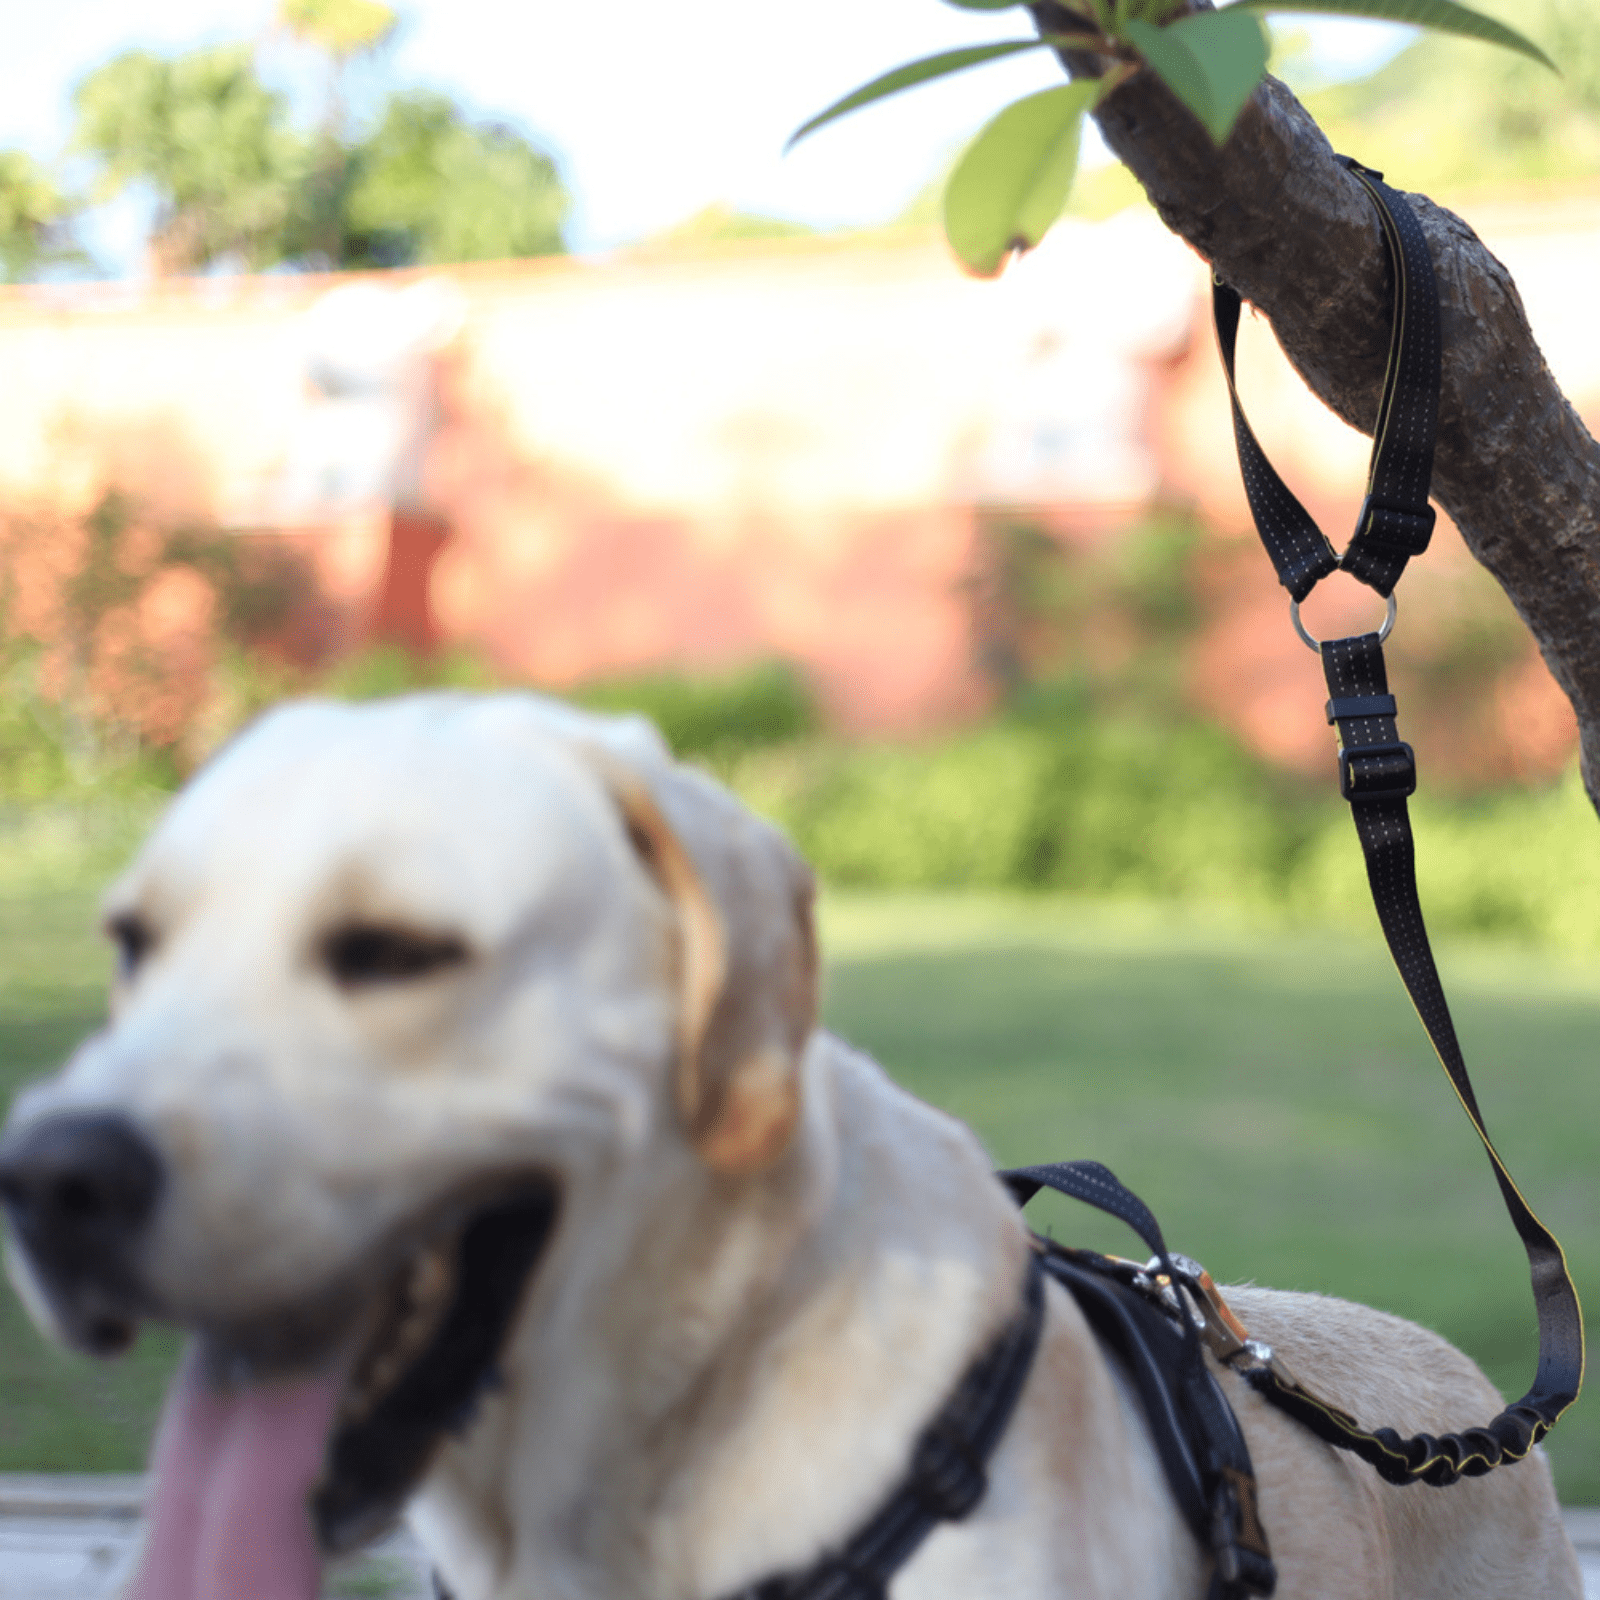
{"type": "Point", "coordinates": [947, 1477]}
{"type": "Point", "coordinates": [1377, 772]}
{"type": "Point", "coordinates": [1196, 1434]}
{"type": "Point", "coordinates": [1396, 521]}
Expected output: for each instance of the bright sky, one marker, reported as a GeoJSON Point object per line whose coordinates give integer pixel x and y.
{"type": "Point", "coordinates": [654, 110]}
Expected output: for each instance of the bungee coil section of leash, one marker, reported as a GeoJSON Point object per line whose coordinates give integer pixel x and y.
{"type": "Point", "coordinates": [1377, 772]}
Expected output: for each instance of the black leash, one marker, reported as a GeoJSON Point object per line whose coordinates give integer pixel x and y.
{"type": "Point", "coordinates": [1136, 1313]}
{"type": "Point", "coordinates": [1377, 771]}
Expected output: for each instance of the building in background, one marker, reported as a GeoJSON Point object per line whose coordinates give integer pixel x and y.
{"type": "Point", "coordinates": [696, 457]}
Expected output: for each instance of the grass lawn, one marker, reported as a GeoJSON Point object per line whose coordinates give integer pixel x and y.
{"type": "Point", "coordinates": [1267, 1090]}
{"type": "Point", "coordinates": [62, 1412]}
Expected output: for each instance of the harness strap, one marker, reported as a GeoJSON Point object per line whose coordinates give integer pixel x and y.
{"type": "Point", "coordinates": [946, 1478]}
{"type": "Point", "coordinates": [1196, 1434]}
{"type": "Point", "coordinates": [1377, 772]}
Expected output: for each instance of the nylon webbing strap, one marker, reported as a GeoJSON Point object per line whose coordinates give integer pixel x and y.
{"type": "Point", "coordinates": [1202, 1449]}
{"type": "Point", "coordinates": [1298, 548]}
{"type": "Point", "coordinates": [1396, 520]}
{"type": "Point", "coordinates": [946, 1478]}
{"type": "Point", "coordinates": [1096, 1185]}
{"type": "Point", "coordinates": [1377, 772]}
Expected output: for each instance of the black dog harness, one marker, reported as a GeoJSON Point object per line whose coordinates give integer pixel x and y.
{"type": "Point", "coordinates": [947, 1476]}
{"type": "Point", "coordinates": [1151, 1318]}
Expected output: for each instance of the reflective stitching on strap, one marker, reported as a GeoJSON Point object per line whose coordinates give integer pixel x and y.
{"type": "Point", "coordinates": [1298, 548]}
{"type": "Point", "coordinates": [1395, 521]}
{"type": "Point", "coordinates": [1377, 773]}
{"type": "Point", "coordinates": [1356, 673]}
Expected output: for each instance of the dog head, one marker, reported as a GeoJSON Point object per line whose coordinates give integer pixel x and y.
{"type": "Point", "coordinates": [401, 990]}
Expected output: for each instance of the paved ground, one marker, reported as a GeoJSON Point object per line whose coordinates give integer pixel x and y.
{"type": "Point", "coordinates": [73, 1538]}
{"type": "Point", "coordinates": [64, 1537]}
{"type": "Point", "coordinates": [1584, 1526]}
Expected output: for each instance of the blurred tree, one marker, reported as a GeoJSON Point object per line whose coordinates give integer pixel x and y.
{"type": "Point", "coordinates": [209, 139]}
{"type": "Point", "coordinates": [233, 177]}
{"type": "Point", "coordinates": [1448, 114]}
{"type": "Point", "coordinates": [340, 31]}
{"type": "Point", "coordinates": [344, 28]}
{"type": "Point", "coordinates": [429, 186]}
{"type": "Point", "coordinates": [34, 218]}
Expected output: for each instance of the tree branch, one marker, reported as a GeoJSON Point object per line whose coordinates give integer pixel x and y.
{"type": "Point", "coordinates": [1297, 235]}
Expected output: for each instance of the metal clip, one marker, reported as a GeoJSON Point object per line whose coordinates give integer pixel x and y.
{"type": "Point", "coordinates": [1385, 628]}
{"type": "Point", "coordinates": [1255, 1355]}
{"type": "Point", "coordinates": [1223, 1333]}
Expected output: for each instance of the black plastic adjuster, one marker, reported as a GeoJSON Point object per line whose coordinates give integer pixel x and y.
{"type": "Point", "coordinates": [1377, 771]}
{"type": "Point", "coordinates": [1361, 705]}
{"type": "Point", "coordinates": [1405, 532]}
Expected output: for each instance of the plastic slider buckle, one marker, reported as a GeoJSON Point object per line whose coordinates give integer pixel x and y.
{"type": "Point", "coordinates": [1405, 532]}
{"type": "Point", "coordinates": [1238, 1544]}
{"type": "Point", "coordinates": [1377, 771]}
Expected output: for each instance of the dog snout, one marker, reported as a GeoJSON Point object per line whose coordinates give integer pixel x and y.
{"type": "Point", "coordinates": [80, 1189]}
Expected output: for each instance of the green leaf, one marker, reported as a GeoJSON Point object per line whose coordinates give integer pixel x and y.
{"type": "Point", "coordinates": [928, 68]}
{"type": "Point", "coordinates": [1013, 179]}
{"type": "Point", "coordinates": [1211, 60]}
{"type": "Point", "coordinates": [1445, 16]}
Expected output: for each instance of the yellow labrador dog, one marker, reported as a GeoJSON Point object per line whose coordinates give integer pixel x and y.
{"type": "Point", "coordinates": [463, 1094]}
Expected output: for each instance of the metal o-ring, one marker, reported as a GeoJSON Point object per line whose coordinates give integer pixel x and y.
{"type": "Point", "coordinates": [1315, 645]}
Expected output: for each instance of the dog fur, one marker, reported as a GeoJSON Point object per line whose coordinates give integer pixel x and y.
{"type": "Point", "coordinates": [771, 1263]}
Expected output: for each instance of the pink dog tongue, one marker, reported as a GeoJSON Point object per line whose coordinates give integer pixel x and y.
{"type": "Point", "coordinates": [233, 1468]}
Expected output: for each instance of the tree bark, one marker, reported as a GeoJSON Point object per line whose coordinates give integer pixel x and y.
{"type": "Point", "coordinates": [1283, 222]}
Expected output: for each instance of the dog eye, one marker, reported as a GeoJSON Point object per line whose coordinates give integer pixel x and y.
{"type": "Point", "coordinates": [133, 938]}
{"type": "Point", "coordinates": [362, 954]}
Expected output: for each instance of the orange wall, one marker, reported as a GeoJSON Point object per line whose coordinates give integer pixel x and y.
{"type": "Point", "coordinates": [695, 458]}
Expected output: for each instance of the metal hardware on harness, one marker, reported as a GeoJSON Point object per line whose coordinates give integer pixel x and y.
{"type": "Point", "coordinates": [1151, 1316]}
{"type": "Point", "coordinates": [1377, 773]}
{"type": "Point", "coordinates": [1256, 1360]}
{"type": "Point", "coordinates": [1223, 1333]}
{"type": "Point", "coordinates": [1385, 628]}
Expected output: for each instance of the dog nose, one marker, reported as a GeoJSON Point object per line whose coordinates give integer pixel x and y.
{"type": "Point", "coordinates": [80, 1187]}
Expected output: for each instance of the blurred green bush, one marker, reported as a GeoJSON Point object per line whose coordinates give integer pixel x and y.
{"type": "Point", "coordinates": [714, 718]}
{"type": "Point", "coordinates": [1069, 801]}
{"type": "Point", "coordinates": [1077, 803]}
{"type": "Point", "coordinates": [1060, 794]}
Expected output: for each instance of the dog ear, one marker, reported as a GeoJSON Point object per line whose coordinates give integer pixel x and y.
{"type": "Point", "coordinates": [747, 960]}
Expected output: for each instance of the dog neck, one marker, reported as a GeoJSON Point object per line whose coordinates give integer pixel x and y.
{"type": "Point", "coordinates": [685, 1413]}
